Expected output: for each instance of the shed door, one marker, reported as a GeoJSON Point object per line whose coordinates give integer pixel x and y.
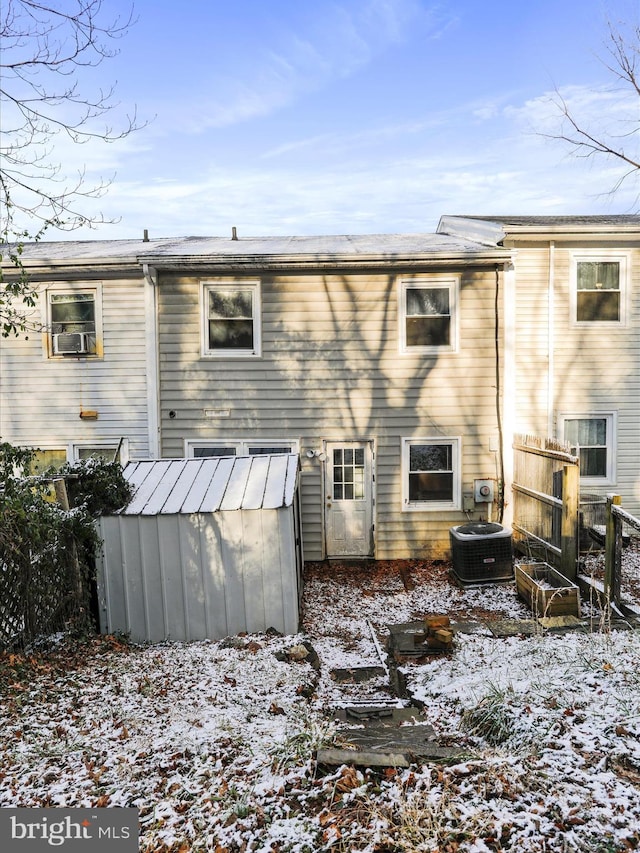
{"type": "Point", "coordinates": [349, 499]}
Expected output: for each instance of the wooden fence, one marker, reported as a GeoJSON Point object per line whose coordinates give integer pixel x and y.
{"type": "Point", "coordinates": [546, 496]}
{"type": "Point", "coordinates": [616, 518]}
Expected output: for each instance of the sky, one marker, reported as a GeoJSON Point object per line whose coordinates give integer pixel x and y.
{"type": "Point", "coordinates": [283, 117]}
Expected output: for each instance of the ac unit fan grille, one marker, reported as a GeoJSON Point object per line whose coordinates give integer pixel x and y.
{"type": "Point", "coordinates": [478, 558]}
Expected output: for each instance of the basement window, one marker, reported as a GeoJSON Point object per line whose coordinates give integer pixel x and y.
{"type": "Point", "coordinates": [241, 447]}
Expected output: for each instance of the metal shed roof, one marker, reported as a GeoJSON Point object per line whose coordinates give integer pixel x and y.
{"type": "Point", "coordinates": [172, 486]}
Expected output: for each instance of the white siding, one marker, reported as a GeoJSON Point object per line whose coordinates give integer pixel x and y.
{"type": "Point", "coordinates": [41, 398]}
{"type": "Point", "coordinates": [331, 370]}
{"type": "Point", "coordinates": [592, 369]}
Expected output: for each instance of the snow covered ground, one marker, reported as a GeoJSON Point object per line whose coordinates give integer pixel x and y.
{"type": "Point", "coordinates": [215, 742]}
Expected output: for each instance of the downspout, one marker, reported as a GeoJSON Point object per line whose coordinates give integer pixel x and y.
{"type": "Point", "coordinates": [152, 357]}
{"type": "Point", "coordinates": [500, 459]}
{"type": "Point", "coordinates": [550, 343]}
{"type": "Point", "coordinates": [509, 388]}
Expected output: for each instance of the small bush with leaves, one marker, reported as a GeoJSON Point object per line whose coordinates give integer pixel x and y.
{"type": "Point", "coordinates": [96, 485]}
{"type": "Point", "coordinates": [47, 552]}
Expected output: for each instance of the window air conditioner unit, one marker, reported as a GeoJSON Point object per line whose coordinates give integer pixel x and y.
{"type": "Point", "coordinates": [71, 343]}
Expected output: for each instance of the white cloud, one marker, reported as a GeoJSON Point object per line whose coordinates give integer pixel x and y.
{"type": "Point", "coordinates": [337, 41]}
{"type": "Point", "coordinates": [602, 107]}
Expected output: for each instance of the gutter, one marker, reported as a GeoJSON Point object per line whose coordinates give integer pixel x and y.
{"type": "Point", "coordinates": [324, 262]}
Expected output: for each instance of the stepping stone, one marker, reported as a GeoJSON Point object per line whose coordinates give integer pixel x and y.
{"type": "Point", "coordinates": [358, 674]}
{"type": "Point", "coordinates": [383, 736]}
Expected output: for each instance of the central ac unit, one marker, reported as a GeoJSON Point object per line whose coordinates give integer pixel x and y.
{"type": "Point", "coordinates": [71, 343]}
{"type": "Point", "coordinates": [481, 552]}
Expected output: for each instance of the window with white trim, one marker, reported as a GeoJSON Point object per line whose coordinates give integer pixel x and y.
{"type": "Point", "coordinates": [74, 322]}
{"type": "Point", "coordinates": [105, 451]}
{"type": "Point", "coordinates": [431, 477]}
{"type": "Point", "coordinates": [231, 319]}
{"type": "Point", "coordinates": [428, 315]}
{"type": "Point", "coordinates": [592, 437]}
{"type": "Point", "coordinates": [598, 287]}
{"type": "Point", "coordinates": [202, 449]}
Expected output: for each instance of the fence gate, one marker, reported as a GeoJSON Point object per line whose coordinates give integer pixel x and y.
{"type": "Point", "coordinates": [546, 496]}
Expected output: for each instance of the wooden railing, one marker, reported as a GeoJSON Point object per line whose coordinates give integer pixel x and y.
{"type": "Point", "coordinates": [616, 518]}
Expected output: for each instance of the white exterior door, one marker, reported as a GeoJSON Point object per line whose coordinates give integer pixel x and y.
{"type": "Point", "coordinates": [349, 499]}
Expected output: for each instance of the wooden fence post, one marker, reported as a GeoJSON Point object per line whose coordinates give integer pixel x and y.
{"type": "Point", "coordinates": [612, 551]}
{"type": "Point", "coordinates": [570, 528]}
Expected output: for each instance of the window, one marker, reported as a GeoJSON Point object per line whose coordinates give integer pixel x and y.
{"type": "Point", "coordinates": [231, 319]}
{"type": "Point", "coordinates": [431, 473]}
{"type": "Point", "coordinates": [592, 437]}
{"type": "Point", "coordinates": [201, 449]}
{"type": "Point", "coordinates": [428, 315]}
{"type": "Point", "coordinates": [598, 288]}
{"type": "Point", "coordinates": [48, 459]}
{"type": "Point", "coordinates": [55, 457]}
{"type": "Point", "coordinates": [74, 322]}
{"type": "Point", "coordinates": [348, 474]}
{"type": "Point", "coordinates": [107, 452]}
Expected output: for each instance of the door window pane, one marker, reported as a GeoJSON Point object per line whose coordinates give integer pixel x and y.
{"type": "Point", "coordinates": [348, 474]}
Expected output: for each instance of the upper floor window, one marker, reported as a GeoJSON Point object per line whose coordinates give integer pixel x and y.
{"type": "Point", "coordinates": [431, 476]}
{"type": "Point", "coordinates": [231, 319]}
{"type": "Point", "coordinates": [74, 322]}
{"type": "Point", "coordinates": [428, 315]}
{"type": "Point", "coordinates": [592, 438]}
{"type": "Point", "coordinates": [598, 287]}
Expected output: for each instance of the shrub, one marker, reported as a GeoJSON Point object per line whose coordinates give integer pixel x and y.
{"type": "Point", "coordinates": [47, 551]}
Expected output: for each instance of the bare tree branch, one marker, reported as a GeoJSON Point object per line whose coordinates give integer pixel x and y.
{"type": "Point", "coordinates": [621, 143]}
{"type": "Point", "coordinates": [43, 95]}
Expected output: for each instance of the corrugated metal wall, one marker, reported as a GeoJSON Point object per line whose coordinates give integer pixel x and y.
{"type": "Point", "coordinates": [206, 548]}
{"type": "Point", "coordinates": [201, 576]}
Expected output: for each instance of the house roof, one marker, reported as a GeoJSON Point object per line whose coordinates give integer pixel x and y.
{"type": "Point", "coordinates": [309, 251]}
{"type": "Point", "coordinates": [187, 486]}
{"type": "Point", "coordinates": [491, 230]}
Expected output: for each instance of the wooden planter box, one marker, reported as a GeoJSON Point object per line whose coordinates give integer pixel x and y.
{"type": "Point", "coordinates": [546, 591]}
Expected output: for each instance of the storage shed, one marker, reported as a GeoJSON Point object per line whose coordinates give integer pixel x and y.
{"type": "Point", "coordinates": [206, 548]}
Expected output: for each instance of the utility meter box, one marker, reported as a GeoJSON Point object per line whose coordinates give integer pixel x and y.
{"type": "Point", "coordinates": [484, 491]}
